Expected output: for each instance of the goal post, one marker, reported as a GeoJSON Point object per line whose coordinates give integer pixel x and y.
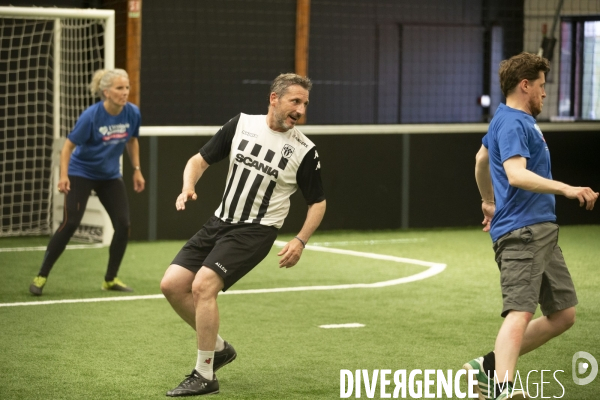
{"type": "Point", "coordinates": [48, 57]}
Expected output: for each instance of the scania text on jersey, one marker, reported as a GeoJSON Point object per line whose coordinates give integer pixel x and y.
{"type": "Point", "coordinates": [259, 166]}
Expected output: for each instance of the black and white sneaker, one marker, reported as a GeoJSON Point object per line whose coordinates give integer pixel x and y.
{"type": "Point", "coordinates": [224, 357]}
{"type": "Point", "coordinates": [195, 384]}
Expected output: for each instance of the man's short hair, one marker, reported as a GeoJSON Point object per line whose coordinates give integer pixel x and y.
{"type": "Point", "coordinates": [283, 81]}
{"type": "Point", "coordinates": [519, 67]}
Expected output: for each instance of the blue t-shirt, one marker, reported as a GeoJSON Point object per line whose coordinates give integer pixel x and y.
{"type": "Point", "coordinates": [100, 139]}
{"type": "Point", "coordinates": [515, 133]}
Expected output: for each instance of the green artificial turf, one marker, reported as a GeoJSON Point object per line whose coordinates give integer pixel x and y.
{"type": "Point", "coordinates": [139, 349]}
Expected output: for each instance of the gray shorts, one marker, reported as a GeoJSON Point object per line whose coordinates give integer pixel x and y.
{"type": "Point", "coordinates": [533, 270]}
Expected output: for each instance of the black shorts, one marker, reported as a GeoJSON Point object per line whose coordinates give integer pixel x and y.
{"type": "Point", "coordinates": [231, 250]}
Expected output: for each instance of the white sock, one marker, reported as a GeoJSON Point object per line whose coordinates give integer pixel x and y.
{"type": "Point", "coordinates": [220, 343]}
{"type": "Point", "coordinates": [204, 364]}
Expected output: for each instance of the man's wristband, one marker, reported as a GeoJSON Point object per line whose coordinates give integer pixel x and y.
{"type": "Point", "coordinates": [301, 241]}
{"type": "Point", "coordinates": [137, 168]}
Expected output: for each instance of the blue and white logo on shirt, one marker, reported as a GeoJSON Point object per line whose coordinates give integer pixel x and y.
{"type": "Point", "coordinates": [537, 128]}
{"type": "Point", "coordinates": [114, 134]}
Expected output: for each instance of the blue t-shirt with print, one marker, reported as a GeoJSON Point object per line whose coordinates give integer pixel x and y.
{"type": "Point", "coordinates": [100, 139]}
{"type": "Point", "coordinates": [515, 133]}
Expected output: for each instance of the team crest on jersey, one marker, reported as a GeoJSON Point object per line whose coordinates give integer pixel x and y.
{"type": "Point", "coordinates": [287, 151]}
{"type": "Point", "coordinates": [537, 128]}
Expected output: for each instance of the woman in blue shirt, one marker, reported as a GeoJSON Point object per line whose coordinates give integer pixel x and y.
{"type": "Point", "coordinates": [90, 161]}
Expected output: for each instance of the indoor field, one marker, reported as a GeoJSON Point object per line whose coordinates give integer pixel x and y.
{"type": "Point", "coordinates": [138, 349]}
{"type": "Point", "coordinates": [377, 131]}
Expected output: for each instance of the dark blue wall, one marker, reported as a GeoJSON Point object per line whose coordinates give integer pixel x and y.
{"type": "Point", "coordinates": [378, 61]}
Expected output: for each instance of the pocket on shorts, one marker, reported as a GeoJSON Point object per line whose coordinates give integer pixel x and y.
{"type": "Point", "coordinates": [515, 267]}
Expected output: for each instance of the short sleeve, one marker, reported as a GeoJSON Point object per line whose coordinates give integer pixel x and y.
{"type": "Point", "coordinates": [137, 118]}
{"type": "Point", "coordinates": [219, 146]}
{"type": "Point", "coordinates": [309, 177]}
{"type": "Point", "coordinates": [513, 142]}
{"type": "Point", "coordinates": [82, 131]}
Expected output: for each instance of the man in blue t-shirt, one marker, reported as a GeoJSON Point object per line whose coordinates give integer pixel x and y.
{"type": "Point", "coordinates": [513, 175]}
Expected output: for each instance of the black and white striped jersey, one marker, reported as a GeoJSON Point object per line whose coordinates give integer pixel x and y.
{"type": "Point", "coordinates": [265, 168]}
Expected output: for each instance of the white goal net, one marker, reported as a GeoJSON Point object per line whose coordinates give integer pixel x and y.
{"type": "Point", "coordinates": [47, 58]}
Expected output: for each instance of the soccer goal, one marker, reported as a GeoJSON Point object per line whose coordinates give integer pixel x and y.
{"type": "Point", "coordinates": [47, 58]}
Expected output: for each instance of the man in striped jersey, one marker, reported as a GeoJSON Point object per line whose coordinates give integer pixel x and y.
{"type": "Point", "coordinates": [269, 159]}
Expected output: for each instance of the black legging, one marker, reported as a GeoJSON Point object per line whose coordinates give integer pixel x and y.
{"type": "Point", "coordinates": [113, 197]}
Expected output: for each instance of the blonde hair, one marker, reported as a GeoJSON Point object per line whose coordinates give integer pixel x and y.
{"type": "Point", "coordinates": [103, 79]}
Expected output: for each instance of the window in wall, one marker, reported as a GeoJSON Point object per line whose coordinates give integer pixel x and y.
{"type": "Point", "coordinates": [579, 72]}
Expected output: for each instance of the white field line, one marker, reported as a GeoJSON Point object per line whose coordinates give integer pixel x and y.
{"type": "Point", "coordinates": [43, 248]}
{"type": "Point", "coordinates": [370, 242]}
{"type": "Point", "coordinates": [433, 269]}
{"type": "Point", "coordinates": [350, 325]}
{"type": "Point", "coordinates": [92, 300]}
{"type": "Point", "coordinates": [335, 243]}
